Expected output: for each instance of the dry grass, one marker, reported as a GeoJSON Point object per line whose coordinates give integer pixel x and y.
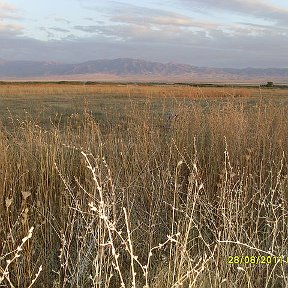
{"type": "Point", "coordinates": [43, 89]}
{"type": "Point", "coordinates": [149, 201]}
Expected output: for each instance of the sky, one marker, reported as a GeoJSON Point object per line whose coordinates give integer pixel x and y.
{"type": "Point", "coordinates": [211, 33]}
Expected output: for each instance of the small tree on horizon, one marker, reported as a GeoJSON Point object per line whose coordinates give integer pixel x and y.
{"type": "Point", "coordinates": [269, 84]}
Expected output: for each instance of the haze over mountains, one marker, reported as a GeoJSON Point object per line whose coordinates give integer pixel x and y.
{"type": "Point", "coordinates": [133, 69]}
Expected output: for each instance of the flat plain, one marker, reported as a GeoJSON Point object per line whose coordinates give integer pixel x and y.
{"type": "Point", "coordinates": [134, 185]}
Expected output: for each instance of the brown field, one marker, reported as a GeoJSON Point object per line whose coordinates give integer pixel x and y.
{"type": "Point", "coordinates": [143, 186]}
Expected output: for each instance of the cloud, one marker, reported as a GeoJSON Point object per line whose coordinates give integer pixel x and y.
{"type": "Point", "coordinates": [136, 23]}
{"type": "Point", "coordinates": [154, 34]}
{"type": "Point", "coordinates": [88, 18]}
{"type": "Point", "coordinates": [164, 35]}
{"type": "Point", "coordinates": [59, 29]}
{"type": "Point", "coordinates": [88, 28]}
{"type": "Point", "coordinates": [162, 20]}
{"type": "Point", "coordinates": [10, 28]}
{"type": "Point", "coordinates": [147, 16]}
{"type": "Point", "coordinates": [62, 20]}
{"type": "Point", "coordinates": [8, 11]}
{"type": "Point", "coordinates": [131, 22]}
{"type": "Point", "coordinates": [126, 13]}
{"type": "Point", "coordinates": [217, 49]}
{"type": "Point", "coordinates": [258, 29]}
{"type": "Point", "coordinates": [136, 33]}
{"type": "Point", "coordinates": [256, 8]}
{"type": "Point", "coordinates": [127, 21]}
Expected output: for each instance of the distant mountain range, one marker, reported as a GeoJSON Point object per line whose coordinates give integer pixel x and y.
{"type": "Point", "coordinates": [134, 69]}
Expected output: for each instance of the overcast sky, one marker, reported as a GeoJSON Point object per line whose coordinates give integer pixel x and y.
{"type": "Point", "coordinates": [215, 33]}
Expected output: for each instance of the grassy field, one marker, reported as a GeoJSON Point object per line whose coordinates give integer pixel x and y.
{"type": "Point", "coordinates": [143, 186]}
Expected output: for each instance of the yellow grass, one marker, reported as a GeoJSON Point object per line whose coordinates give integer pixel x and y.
{"type": "Point", "coordinates": [152, 199]}
{"type": "Point", "coordinates": [43, 89]}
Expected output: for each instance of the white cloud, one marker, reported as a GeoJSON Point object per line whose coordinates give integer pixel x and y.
{"type": "Point", "coordinates": [135, 23]}
{"type": "Point", "coordinates": [8, 14]}
{"type": "Point", "coordinates": [8, 11]}
{"type": "Point", "coordinates": [217, 49]}
{"type": "Point", "coordinates": [10, 28]}
{"type": "Point", "coordinates": [257, 8]}
{"type": "Point", "coordinates": [62, 20]}
{"type": "Point", "coordinates": [162, 20]}
{"type": "Point", "coordinates": [59, 29]}
{"type": "Point", "coordinates": [158, 35]}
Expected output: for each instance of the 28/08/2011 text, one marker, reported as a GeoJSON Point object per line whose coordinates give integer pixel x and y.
{"type": "Point", "coordinates": [260, 259]}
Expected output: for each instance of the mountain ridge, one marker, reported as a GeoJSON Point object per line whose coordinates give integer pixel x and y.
{"type": "Point", "coordinates": [125, 67]}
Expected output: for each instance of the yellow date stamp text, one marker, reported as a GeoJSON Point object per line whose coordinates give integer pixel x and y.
{"type": "Point", "coordinates": [257, 259]}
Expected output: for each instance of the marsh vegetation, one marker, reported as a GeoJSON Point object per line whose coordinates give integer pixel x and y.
{"type": "Point", "coordinates": [106, 191]}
